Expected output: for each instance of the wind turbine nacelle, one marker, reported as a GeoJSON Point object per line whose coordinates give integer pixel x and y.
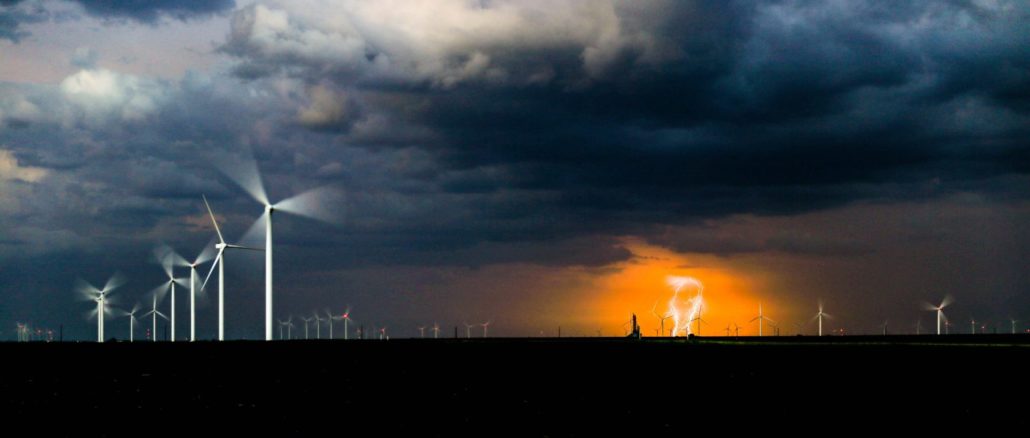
{"type": "Point", "coordinates": [219, 245]}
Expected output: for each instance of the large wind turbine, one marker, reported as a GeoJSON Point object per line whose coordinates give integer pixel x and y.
{"type": "Point", "coordinates": [820, 317]}
{"type": "Point", "coordinates": [220, 263]}
{"type": "Point", "coordinates": [309, 204]}
{"type": "Point", "coordinates": [760, 318]}
{"type": "Point", "coordinates": [90, 292]}
{"type": "Point", "coordinates": [940, 311]}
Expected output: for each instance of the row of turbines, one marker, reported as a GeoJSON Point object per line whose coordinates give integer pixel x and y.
{"type": "Point", "coordinates": [943, 325]}
{"type": "Point", "coordinates": [251, 183]}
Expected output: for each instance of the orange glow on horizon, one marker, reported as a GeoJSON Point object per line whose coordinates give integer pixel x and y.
{"type": "Point", "coordinates": [730, 296]}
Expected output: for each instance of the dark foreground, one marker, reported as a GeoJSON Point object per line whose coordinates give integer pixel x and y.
{"type": "Point", "coordinates": [531, 387]}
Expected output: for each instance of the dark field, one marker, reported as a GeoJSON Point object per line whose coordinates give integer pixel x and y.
{"type": "Point", "coordinates": [491, 387]}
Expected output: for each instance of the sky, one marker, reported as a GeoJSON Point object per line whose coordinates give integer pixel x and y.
{"type": "Point", "coordinates": [535, 164]}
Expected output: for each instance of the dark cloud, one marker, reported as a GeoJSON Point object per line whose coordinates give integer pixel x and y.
{"type": "Point", "coordinates": [540, 133]}
{"type": "Point", "coordinates": [150, 11]}
{"type": "Point", "coordinates": [13, 13]}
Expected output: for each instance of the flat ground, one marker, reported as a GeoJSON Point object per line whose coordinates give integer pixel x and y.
{"type": "Point", "coordinates": [537, 386]}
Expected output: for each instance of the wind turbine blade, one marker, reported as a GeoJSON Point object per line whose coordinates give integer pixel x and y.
{"type": "Point", "coordinates": [158, 312]}
{"type": "Point", "coordinates": [947, 301]}
{"type": "Point", "coordinates": [218, 259]}
{"type": "Point", "coordinates": [206, 254]}
{"type": "Point", "coordinates": [85, 290]}
{"type": "Point", "coordinates": [327, 204]}
{"type": "Point", "coordinates": [244, 172]}
{"type": "Point", "coordinates": [92, 313]}
{"type": "Point", "coordinates": [159, 292]}
{"type": "Point", "coordinates": [114, 282]}
{"type": "Point", "coordinates": [213, 221]}
{"type": "Point", "coordinates": [168, 258]}
{"type": "Point", "coordinates": [255, 235]}
{"type": "Point", "coordinates": [929, 307]}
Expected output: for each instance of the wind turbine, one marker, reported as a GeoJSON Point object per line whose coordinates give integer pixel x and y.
{"type": "Point", "coordinates": [132, 320]}
{"type": "Point", "coordinates": [884, 325]}
{"type": "Point", "coordinates": [422, 332]}
{"type": "Point", "coordinates": [329, 317]}
{"type": "Point", "coordinates": [436, 330]}
{"type": "Point", "coordinates": [760, 318]}
{"type": "Point", "coordinates": [820, 317]}
{"type": "Point", "coordinates": [661, 319]}
{"type": "Point", "coordinates": [154, 313]}
{"type": "Point", "coordinates": [485, 325]}
{"type": "Point", "coordinates": [220, 263]}
{"type": "Point", "coordinates": [318, 326]}
{"type": "Point", "coordinates": [468, 330]}
{"type": "Point", "coordinates": [308, 204]}
{"type": "Point", "coordinates": [699, 321]}
{"type": "Point", "coordinates": [90, 292]}
{"type": "Point", "coordinates": [346, 319]}
{"type": "Point", "coordinates": [281, 325]}
{"type": "Point", "coordinates": [940, 311]}
{"type": "Point", "coordinates": [289, 328]}
{"type": "Point", "coordinates": [204, 256]}
{"type": "Point", "coordinates": [972, 326]}
{"type": "Point", "coordinates": [169, 259]}
{"type": "Point", "coordinates": [1013, 321]}
{"type": "Point", "coordinates": [306, 321]}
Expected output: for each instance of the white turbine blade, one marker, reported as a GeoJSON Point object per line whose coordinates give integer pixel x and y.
{"type": "Point", "coordinates": [326, 204]}
{"type": "Point", "coordinates": [86, 291]}
{"type": "Point", "coordinates": [928, 307]}
{"type": "Point", "coordinates": [114, 282]}
{"type": "Point", "coordinates": [213, 221]}
{"type": "Point", "coordinates": [206, 254]}
{"type": "Point", "coordinates": [214, 265]}
{"type": "Point", "coordinates": [169, 258]}
{"type": "Point", "coordinates": [244, 172]}
{"type": "Point", "coordinates": [255, 234]}
{"type": "Point", "coordinates": [135, 309]}
{"type": "Point", "coordinates": [159, 292]}
{"type": "Point", "coordinates": [158, 312]}
{"type": "Point", "coordinates": [827, 316]}
{"type": "Point", "coordinates": [184, 282]}
{"type": "Point", "coordinates": [92, 313]}
{"type": "Point", "coordinates": [947, 301]}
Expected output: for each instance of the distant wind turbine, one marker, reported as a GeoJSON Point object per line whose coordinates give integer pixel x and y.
{"type": "Point", "coordinates": [169, 259]}
{"type": "Point", "coordinates": [132, 320]}
{"type": "Point", "coordinates": [306, 321]}
{"type": "Point", "coordinates": [468, 330]}
{"type": "Point", "coordinates": [485, 325]}
{"type": "Point", "coordinates": [760, 318]}
{"type": "Point", "coordinates": [154, 313]}
{"type": "Point", "coordinates": [661, 319]}
{"type": "Point", "coordinates": [422, 332]}
{"type": "Point", "coordinates": [89, 292]}
{"type": "Point", "coordinates": [436, 330]}
{"type": "Point", "coordinates": [940, 311]}
{"type": "Point", "coordinates": [346, 319]}
{"type": "Point", "coordinates": [205, 256]}
{"type": "Point", "coordinates": [820, 317]}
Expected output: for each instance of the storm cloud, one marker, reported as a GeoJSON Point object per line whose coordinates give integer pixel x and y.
{"type": "Point", "coordinates": [530, 133]}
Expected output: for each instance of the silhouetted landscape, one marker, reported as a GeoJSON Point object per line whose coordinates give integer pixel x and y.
{"type": "Point", "coordinates": [530, 386]}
